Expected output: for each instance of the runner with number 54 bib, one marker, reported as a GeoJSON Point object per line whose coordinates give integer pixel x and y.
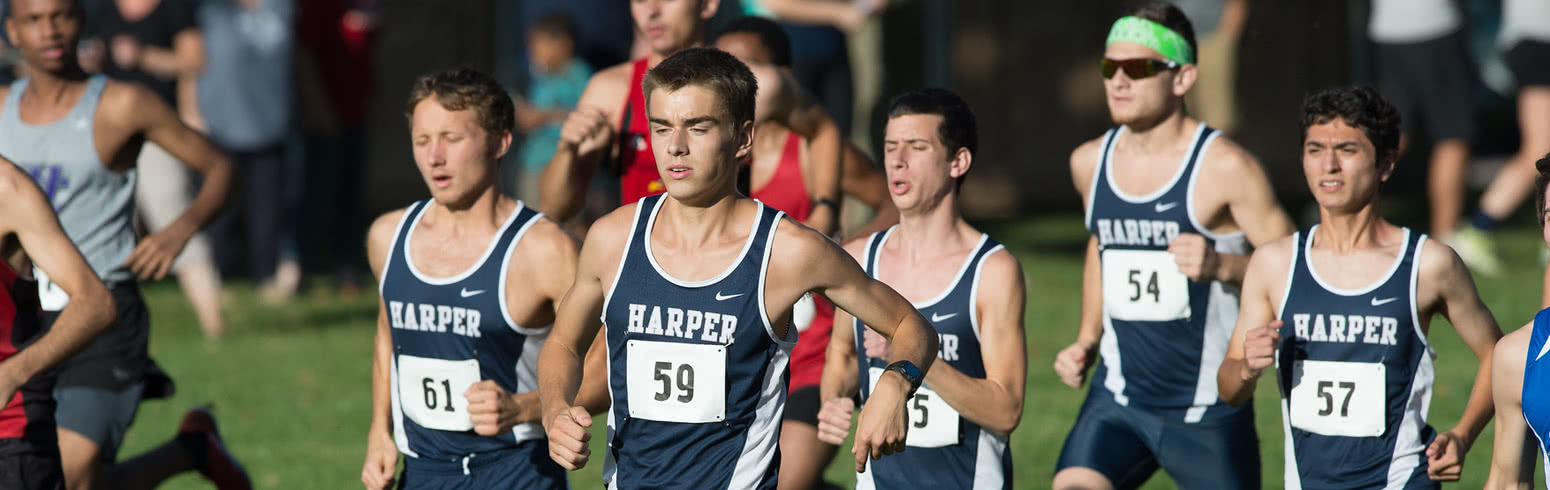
{"type": "Point", "coordinates": [1173, 207]}
{"type": "Point", "coordinates": [1341, 312]}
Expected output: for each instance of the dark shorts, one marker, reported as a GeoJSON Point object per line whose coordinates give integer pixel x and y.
{"type": "Point", "coordinates": [32, 471]}
{"type": "Point", "coordinates": [526, 466]}
{"type": "Point", "coordinates": [1128, 444]}
{"type": "Point", "coordinates": [1529, 61]}
{"type": "Point", "coordinates": [1432, 83]}
{"type": "Point", "coordinates": [119, 357]}
{"type": "Point", "coordinates": [99, 414]}
{"type": "Point", "coordinates": [802, 405]}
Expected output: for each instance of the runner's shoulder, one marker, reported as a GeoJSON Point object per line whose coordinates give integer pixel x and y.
{"type": "Point", "coordinates": [1228, 161]}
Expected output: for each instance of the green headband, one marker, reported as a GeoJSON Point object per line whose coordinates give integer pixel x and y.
{"type": "Point", "coordinates": [1137, 30]}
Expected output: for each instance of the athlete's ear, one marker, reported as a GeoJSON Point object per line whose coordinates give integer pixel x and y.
{"type": "Point", "coordinates": [1184, 80]}
{"type": "Point", "coordinates": [502, 145]}
{"type": "Point", "coordinates": [744, 139]}
{"type": "Point", "coordinates": [960, 163]}
{"type": "Point", "coordinates": [1386, 167]}
{"type": "Point", "coordinates": [708, 8]}
{"type": "Point", "coordinates": [10, 27]}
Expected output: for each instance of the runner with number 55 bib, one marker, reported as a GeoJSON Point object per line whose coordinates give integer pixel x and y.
{"type": "Point", "coordinates": [965, 283]}
{"type": "Point", "coordinates": [1341, 311]}
{"type": "Point", "coordinates": [1173, 207]}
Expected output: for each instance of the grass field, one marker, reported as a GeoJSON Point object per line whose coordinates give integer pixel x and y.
{"type": "Point", "coordinates": [290, 384]}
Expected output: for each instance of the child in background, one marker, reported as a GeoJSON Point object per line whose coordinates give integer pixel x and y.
{"type": "Point", "coordinates": [558, 79]}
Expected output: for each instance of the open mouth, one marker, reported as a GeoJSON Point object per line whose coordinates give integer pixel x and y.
{"type": "Point", "coordinates": [679, 172]}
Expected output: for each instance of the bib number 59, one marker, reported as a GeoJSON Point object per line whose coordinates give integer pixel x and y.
{"type": "Point", "coordinates": [666, 374]}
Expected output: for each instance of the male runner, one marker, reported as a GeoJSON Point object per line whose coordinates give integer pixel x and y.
{"type": "Point", "coordinates": [782, 174]}
{"type": "Point", "coordinates": [79, 136]}
{"type": "Point", "coordinates": [1520, 382]}
{"type": "Point", "coordinates": [613, 104]}
{"type": "Point", "coordinates": [30, 234]}
{"type": "Point", "coordinates": [469, 283]}
{"type": "Point", "coordinates": [696, 287]}
{"type": "Point", "coordinates": [972, 289]}
{"type": "Point", "coordinates": [1172, 207]}
{"type": "Point", "coordinates": [1355, 366]}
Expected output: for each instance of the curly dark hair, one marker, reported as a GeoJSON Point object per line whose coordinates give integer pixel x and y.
{"type": "Point", "coordinates": [1361, 107]}
{"type": "Point", "coordinates": [1543, 166]}
{"type": "Point", "coordinates": [463, 89]}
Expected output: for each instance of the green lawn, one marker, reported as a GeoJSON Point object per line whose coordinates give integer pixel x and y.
{"type": "Point", "coordinates": [290, 384]}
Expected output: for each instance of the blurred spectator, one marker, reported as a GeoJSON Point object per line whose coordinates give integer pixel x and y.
{"type": "Point", "coordinates": [156, 43]}
{"type": "Point", "coordinates": [1525, 37]}
{"type": "Point", "coordinates": [820, 54]}
{"type": "Point", "coordinates": [1218, 25]}
{"type": "Point", "coordinates": [334, 85]}
{"type": "Point", "coordinates": [1425, 70]}
{"type": "Point", "coordinates": [558, 78]}
{"type": "Point", "coordinates": [246, 92]}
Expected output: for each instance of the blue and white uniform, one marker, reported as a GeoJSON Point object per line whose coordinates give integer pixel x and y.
{"type": "Point", "coordinates": [1153, 401]}
{"type": "Point", "coordinates": [1536, 385]}
{"type": "Point", "coordinates": [1356, 374]}
{"type": "Point", "coordinates": [449, 333]}
{"type": "Point", "coordinates": [696, 374]}
{"type": "Point", "coordinates": [945, 450]}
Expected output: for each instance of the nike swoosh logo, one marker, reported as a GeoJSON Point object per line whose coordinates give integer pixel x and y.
{"type": "Point", "coordinates": [1164, 206]}
{"type": "Point", "coordinates": [466, 293]}
{"type": "Point", "coordinates": [1543, 351]}
{"type": "Point", "coordinates": [1384, 301]}
{"type": "Point", "coordinates": [941, 318]}
{"type": "Point", "coordinates": [719, 297]}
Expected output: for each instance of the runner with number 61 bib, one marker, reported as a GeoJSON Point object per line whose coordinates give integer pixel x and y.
{"type": "Point", "coordinates": [1341, 311]}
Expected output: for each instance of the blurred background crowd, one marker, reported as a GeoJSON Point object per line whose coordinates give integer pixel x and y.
{"type": "Point", "coordinates": [307, 97]}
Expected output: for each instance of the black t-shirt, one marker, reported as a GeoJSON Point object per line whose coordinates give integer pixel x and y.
{"type": "Point", "coordinates": [158, 29]}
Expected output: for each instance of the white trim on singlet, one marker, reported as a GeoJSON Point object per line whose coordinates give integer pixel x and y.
{"type": "Point", "coordinates": [988, 468]}
{"type": "Point", "coordinates": [511, 249]}
{"type": "Point", "coordinates": [1183, 165]}
{"type": "Point", "coordinates": [1092, 185]}
{"type": "Point", "coordinates": [974, 290]}
{"type": "Point", "coordinates": [1291, 478]}
{"type": "Point", "coordinates": [962, 270]}
{"type": "Point", "coordinates": [1291, 273]}
{"type": "Point", "coordinates": [443, 281]}
{"type": "Point", "coordinates": [619, 271]}
{"type": "Point", "coordinates": [1384, 279]}
{"type": "Point", "coordinates": [1408, 445]}
{"type": "Point", "coordinates": [1108, 348]}
{"type": "Point", "coordinates": [1189, 194]}
{"type": "Point", "coordinates": [761, 441]}
{"type": "Point", "coordinates": [1415, 307]}
{"type": "Point", "coordinates": [400, 437]}
{"type": "Point", "coordinates": [764, 269]}
{"type": "Point", "coordinates": [1545, 455]}
{"type": "Point", "coordinates": [398, 231]}
{"type": "Point", "coordinates": [526, 370]}
{"type": "Point", "coordinates": [651, 222]}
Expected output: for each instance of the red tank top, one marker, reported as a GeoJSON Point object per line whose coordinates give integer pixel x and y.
{"type": "Point", "coordinates": [638, 175]}
{"type": "Point", "coordinates": [20, 323]}
{"type": "Point", "coordinates": [787, 192]}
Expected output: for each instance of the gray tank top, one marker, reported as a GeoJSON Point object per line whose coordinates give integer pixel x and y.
{"type": "Point", "coordinates": [95, 204]}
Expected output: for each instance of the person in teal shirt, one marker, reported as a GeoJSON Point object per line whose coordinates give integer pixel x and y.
{"type": "Point", "coordinates": [558, 79]}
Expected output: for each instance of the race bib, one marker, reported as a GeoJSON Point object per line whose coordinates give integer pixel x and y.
{"type": "Point", "coordinates": [1144, 285]}
{"type": "Point", "coordinates": [677, 382]}
{"type": "Point", "coordinates": [933, 423]}
{"type": "Point", "coordinates": [1334, 398]}
{"type": "Point", "coordinates": [431, 391]}
{"type": "Point", "coordinates": [50, 296]}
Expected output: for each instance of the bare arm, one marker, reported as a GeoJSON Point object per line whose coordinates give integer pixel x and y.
{"type": "Point", "coordinates": [1461, 305]}
{"type": "Point", "coordinates": [27, 214]}
{"type": "Point", "coordinates": [996, 401]}
{"type": "Point", "coordinates": [1072, 362]}
{"type": "Point", "coordinates": [840, 376]}
{"type": "Point", "coordinates": [185, 58]}
{"type": "Point", "coordinates": [381, 451]}
{"type": "Point", "coordinates": [585, 139]}
{"type": "Point", "coordinates": [547, 245]}
{"type": "Point", "coordinates": [1257, 326]}
{"type": "Point", "coordinates": [825, 148]}
{"type": "Point", "coordinates": [1253, 206]}
{"type": "Point", "coordinates": [1512, 454]}
{"type": "Point", "coordinates": [840, 15]}
{"type": "Point", "coordinates": [152, 117]}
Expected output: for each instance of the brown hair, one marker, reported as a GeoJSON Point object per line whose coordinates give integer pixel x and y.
{"type": "Point", "coordinates": [723, 74]}
{"type": "Point", "coordinates": [1543, 166]}
{"type": "Point", "coordinates": [464, 89]}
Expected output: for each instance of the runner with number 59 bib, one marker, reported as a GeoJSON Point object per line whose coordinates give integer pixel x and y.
{"type": "Point", "coordinates": [1341, 312]}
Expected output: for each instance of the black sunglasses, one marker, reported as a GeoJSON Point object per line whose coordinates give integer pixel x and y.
{"type": "Point", "coordinates": [1137, 68]}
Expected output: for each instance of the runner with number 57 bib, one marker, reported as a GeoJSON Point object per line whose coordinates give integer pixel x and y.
{"type": "Point", "coordinates": [1341, 312]}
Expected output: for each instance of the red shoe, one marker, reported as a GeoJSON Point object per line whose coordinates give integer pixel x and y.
{"type": "Point", "coordinates": [220, 467]}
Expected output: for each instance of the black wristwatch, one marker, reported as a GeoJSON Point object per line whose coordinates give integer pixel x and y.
{"type": "Point", "coordinates": [909, 371]}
